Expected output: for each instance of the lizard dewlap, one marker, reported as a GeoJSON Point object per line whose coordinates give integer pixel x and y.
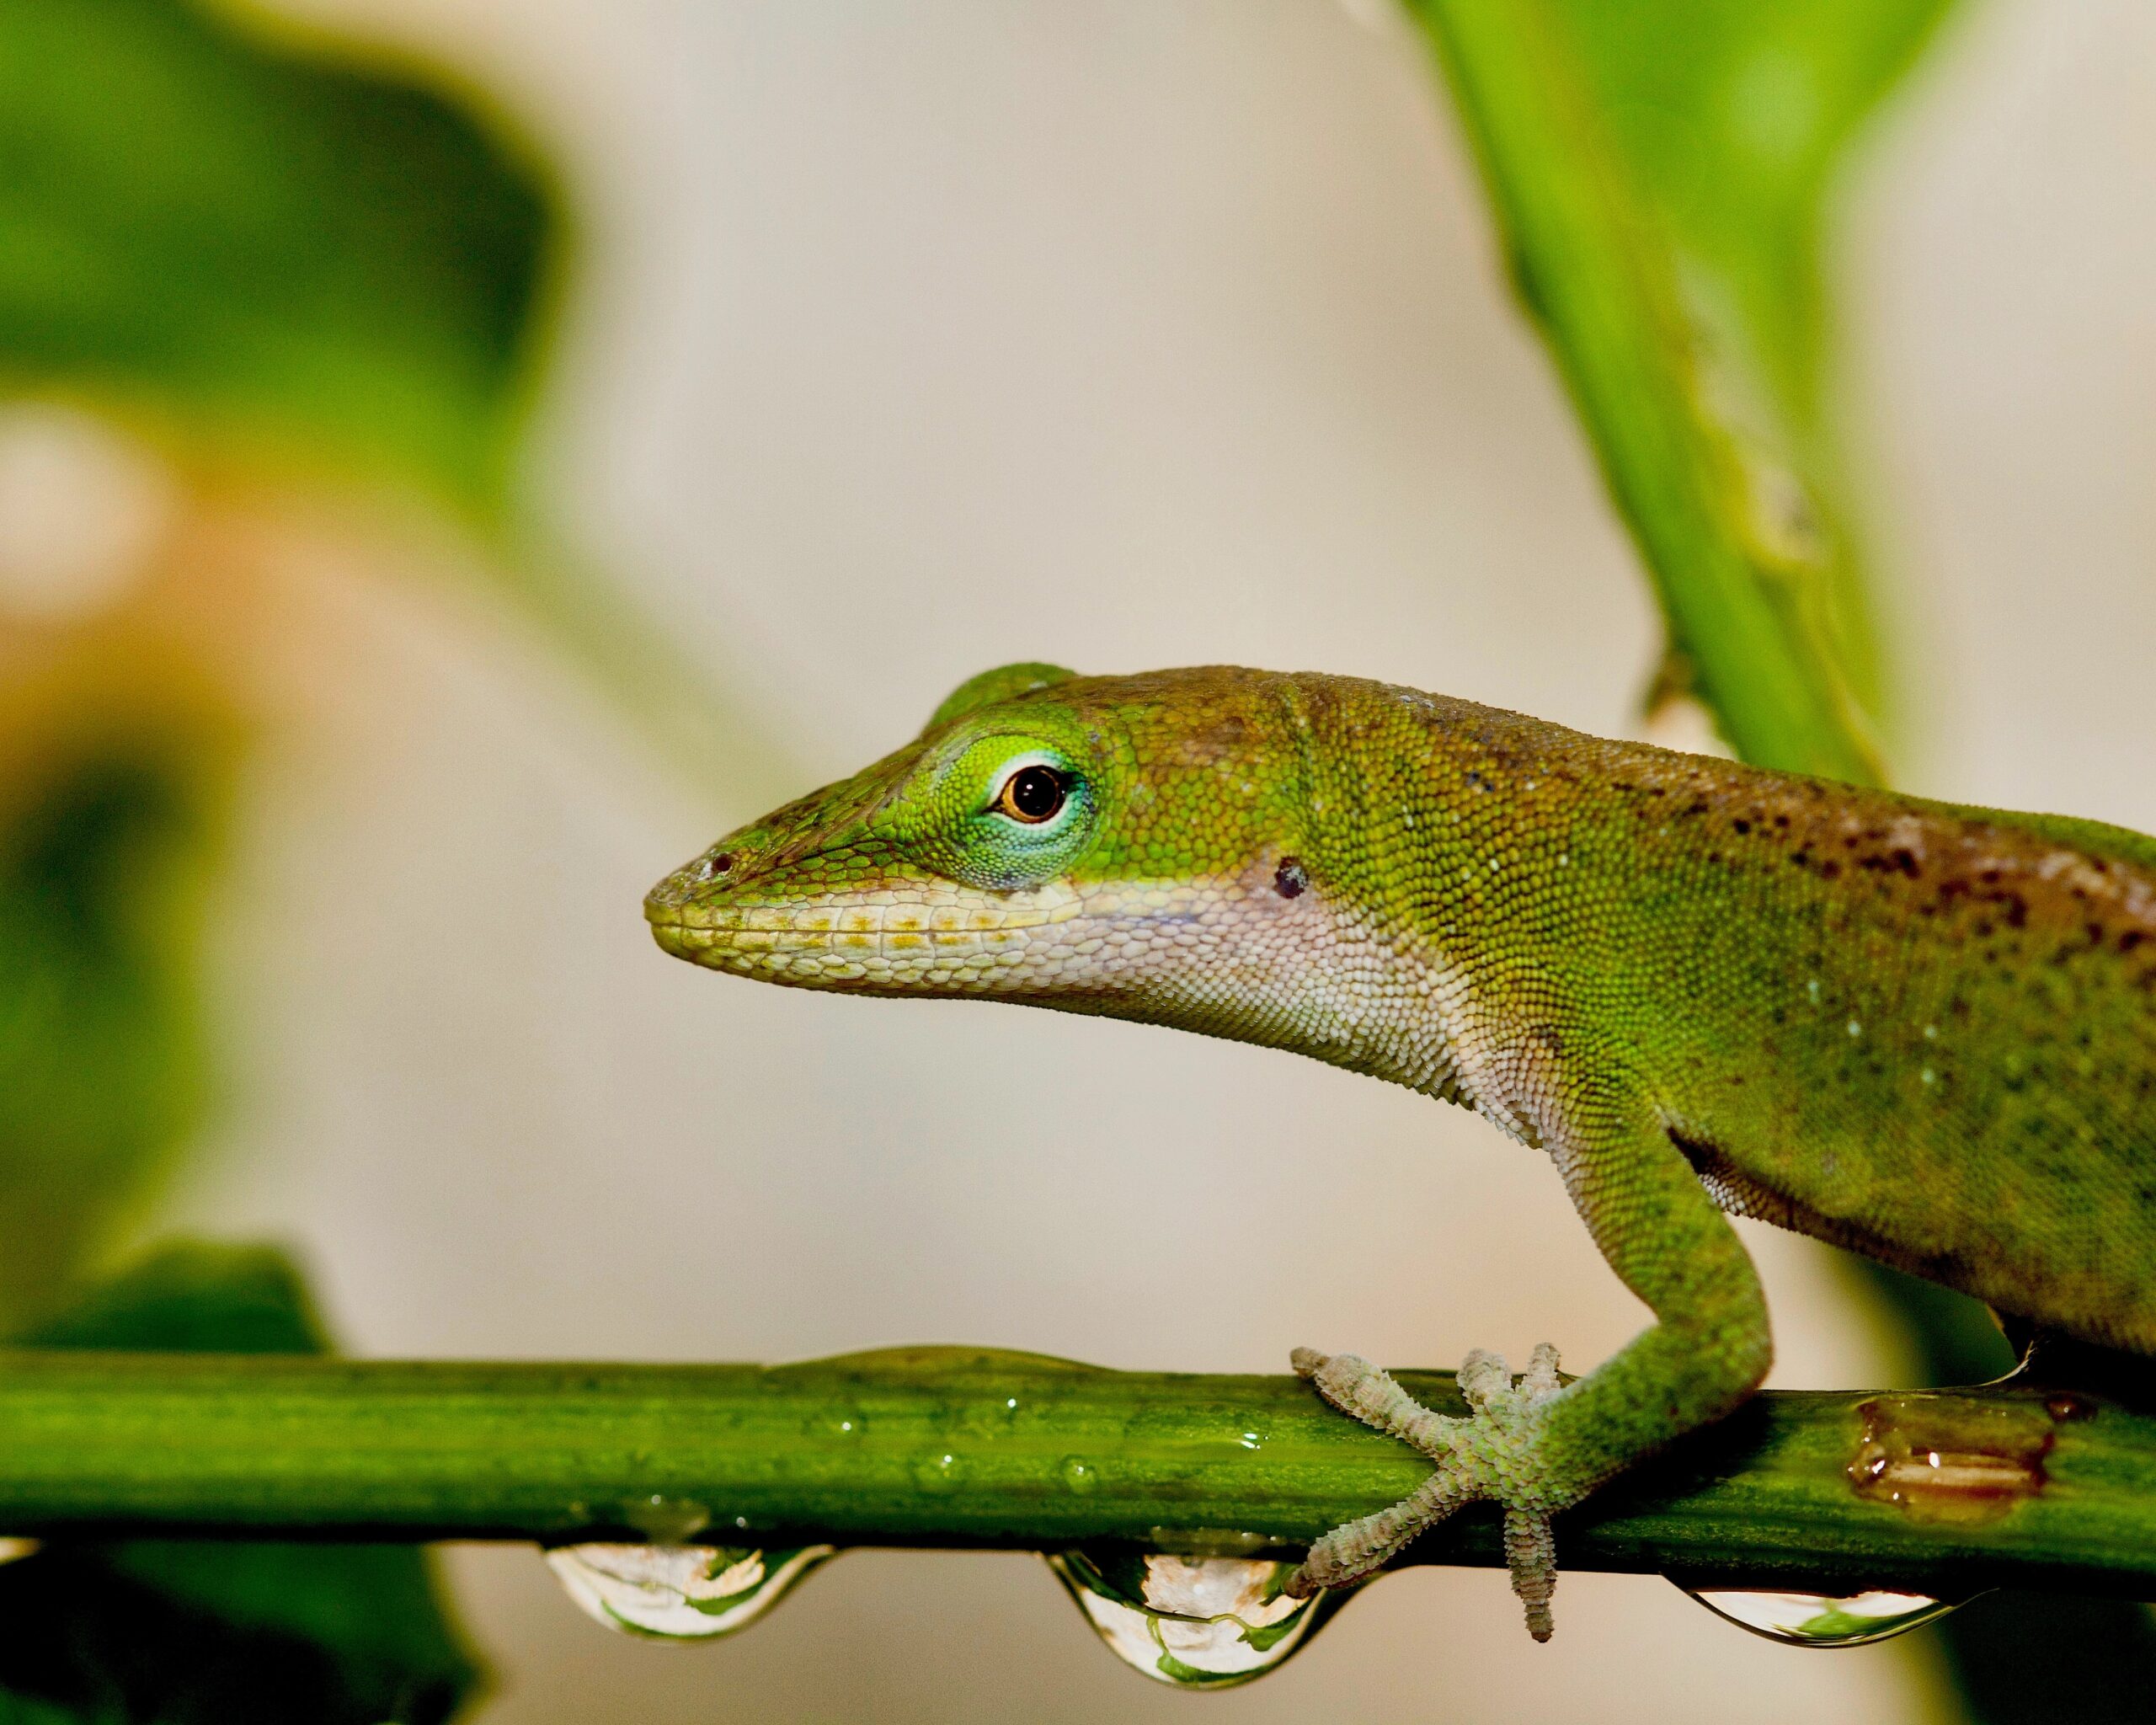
{"type": "Point", "coordinates": [1923, 1032]}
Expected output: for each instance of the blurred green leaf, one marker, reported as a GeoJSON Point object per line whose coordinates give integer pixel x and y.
{"type": "Point", "coordinates": [213, 1633]}
{"type": "Point", "coordinates": [190, 1297]}
{"type": "Point", "coordinates": [264, 244]}
{"type": "Point", "coordinates": [105, 843]}
{"type": "Point", "coordinates": [1661, 173]}
{"type": "Point", "coordinates": [260, 241]}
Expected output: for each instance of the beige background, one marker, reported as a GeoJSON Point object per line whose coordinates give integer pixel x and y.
{"type": "Point", "coordinates": [910, 340]}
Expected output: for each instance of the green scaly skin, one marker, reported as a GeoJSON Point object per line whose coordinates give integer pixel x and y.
{"type": "Point", "coordinates": [1925, 1033]}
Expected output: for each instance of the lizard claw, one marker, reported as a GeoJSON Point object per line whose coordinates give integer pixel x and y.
{"type": "Point", "coordinates": [1491, 1453]}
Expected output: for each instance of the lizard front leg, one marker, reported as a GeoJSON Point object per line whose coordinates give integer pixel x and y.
{"type": "Point", "coordinates": [1540, 1446]}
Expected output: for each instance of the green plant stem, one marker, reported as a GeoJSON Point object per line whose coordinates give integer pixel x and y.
{"type": "Point", "coordinates": [1749, 598]}
{"type": "Point", "coordinates": [953, 1446]}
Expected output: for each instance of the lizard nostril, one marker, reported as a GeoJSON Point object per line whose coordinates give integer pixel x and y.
{"type": "Point", "coordinates": [712, 866]}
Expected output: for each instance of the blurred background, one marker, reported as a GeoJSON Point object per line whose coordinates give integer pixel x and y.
{"type": "Point", "coordinates": [378, 620]}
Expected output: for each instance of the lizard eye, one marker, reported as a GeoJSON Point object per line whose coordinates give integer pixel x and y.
{"type": "Point", "coordinates": [1032, 795]}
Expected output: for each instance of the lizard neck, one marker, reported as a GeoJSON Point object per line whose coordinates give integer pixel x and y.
{"type": "Point", "coordinates": [1279, 955]}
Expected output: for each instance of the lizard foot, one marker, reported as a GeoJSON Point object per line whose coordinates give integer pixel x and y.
{"type": "Point", "coordinates": [1491, 1453]}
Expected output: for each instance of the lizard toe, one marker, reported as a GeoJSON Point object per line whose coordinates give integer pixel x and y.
{"type": "Point", "coordinates": [1493, 1455]}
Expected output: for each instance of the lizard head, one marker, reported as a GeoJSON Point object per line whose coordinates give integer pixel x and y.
{"type": "Point", "coordinates": [1113, 845]}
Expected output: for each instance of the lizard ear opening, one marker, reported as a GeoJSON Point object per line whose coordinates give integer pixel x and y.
{"type": "Point", "coordinates": [1006, 682]}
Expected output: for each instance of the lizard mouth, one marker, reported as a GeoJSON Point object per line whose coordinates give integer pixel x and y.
{"type": "Point", "coordinates": [901, 936]}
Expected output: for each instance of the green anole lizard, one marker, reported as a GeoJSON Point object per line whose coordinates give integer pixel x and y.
{"type": "Point", "coordinates": [1923, 1032]}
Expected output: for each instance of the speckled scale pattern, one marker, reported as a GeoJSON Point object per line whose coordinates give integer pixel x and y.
{"type": "Point", "coordinates": [1924, 1032]}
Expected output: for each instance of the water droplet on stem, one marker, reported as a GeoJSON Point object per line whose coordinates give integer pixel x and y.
{"type": "Point", "coordinates": [940, 1474]}
{"type": "Point", "coordinates": [1822, 1620]}
{"type": "Point", "coordinates": [680, 1593]}
{"type": "Point", "coordinates": [665, 1521]}
{"type": "Point", "coordinates": [1192, 1623]}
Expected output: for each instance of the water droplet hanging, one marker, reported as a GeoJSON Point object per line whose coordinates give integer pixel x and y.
{"type": "Point", "coordinates": [1192, 1622]}
{"type": "Point", "coordinates": [1822, 1620]}
{"type": "Point", "coordinates": [680, 1593]}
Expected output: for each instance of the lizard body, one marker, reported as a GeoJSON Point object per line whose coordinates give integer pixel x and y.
{"type": "Point", "coordinates": [1924, 1032]}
